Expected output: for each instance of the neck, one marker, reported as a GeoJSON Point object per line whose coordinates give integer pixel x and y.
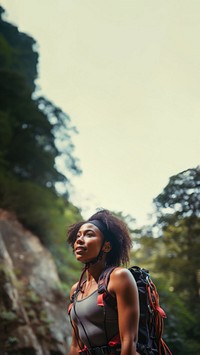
{"type": "Point", "coordinates": [94, 271]}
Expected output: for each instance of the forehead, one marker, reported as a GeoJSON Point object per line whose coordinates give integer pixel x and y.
{"type": "Point", "coordinates": [89, 226]}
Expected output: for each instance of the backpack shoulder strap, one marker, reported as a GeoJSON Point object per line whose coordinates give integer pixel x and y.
{"type": "Point", "coordinates": [103, 286]}
{"type": "Point", "coordinates": [103, 281]}
{"type": "Point", "coordinates": [74, 295]}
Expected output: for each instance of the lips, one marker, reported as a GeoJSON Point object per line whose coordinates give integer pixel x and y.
{"type": "Point", "coordinates": [80, 250]}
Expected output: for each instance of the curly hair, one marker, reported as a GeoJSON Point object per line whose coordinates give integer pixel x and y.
{"type": "Point", "coordinates": [117, 234]}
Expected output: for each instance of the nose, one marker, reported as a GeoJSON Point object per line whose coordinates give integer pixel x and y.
{"type": "Point", "coordinates": [80, 239]}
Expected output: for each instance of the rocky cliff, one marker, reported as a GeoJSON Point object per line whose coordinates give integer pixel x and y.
{"type": "Point", "coordinates": [33, 309]}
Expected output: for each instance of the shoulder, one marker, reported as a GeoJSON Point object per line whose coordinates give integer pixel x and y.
{"type": "Point", "coordinates": [73, 289]}
{"type": "Point", "coordinates": [121, 279]}
{"type": "Point", "coordinates": [121, 273]}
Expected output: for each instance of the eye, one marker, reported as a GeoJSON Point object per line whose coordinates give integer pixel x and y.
{"type": "Point", "coordinates": [89, 234]}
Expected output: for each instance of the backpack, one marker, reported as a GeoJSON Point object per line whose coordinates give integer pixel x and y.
{"type": "Point", "coordinates": [150, 340]}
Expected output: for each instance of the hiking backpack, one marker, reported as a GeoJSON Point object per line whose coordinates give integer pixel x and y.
{"type": "Point", "coordinates": [150, 332]}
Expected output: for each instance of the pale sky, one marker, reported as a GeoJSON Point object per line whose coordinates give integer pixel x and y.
{"type": "Point", "coordinates": [127, 72]}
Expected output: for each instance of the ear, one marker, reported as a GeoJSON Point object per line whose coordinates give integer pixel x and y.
{"type": "Point", "coordinates": [107, 247]}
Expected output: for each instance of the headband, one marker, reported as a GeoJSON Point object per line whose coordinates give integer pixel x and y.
{"type": "Point", "coordinates": [101, 226]}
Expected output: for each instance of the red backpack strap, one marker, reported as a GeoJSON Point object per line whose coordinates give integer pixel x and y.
{"type": "Point", "coordinates": [70, 307]}
{"type": "Point", "coordinates": [159, 314]}
{"type": "Point", "coordinates": [114, 341]}
{"type": "Point", "coordinates": [152, 291]}
{"type": "Point", "coordinates": [100, 299]}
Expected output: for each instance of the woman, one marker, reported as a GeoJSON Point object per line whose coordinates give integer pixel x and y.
{"type": "Point", "coordinates": [99, 243]}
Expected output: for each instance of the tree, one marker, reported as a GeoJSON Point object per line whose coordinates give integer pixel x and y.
{"type": "Point", "coordinates": [178, 212]}
{"type": "Point", "coordinates": [178, 208]}
{"type": "Point", "coordinates": [34, 133]}
{"type": "Point", "coordinates": [181, 196]}
{"type": "Point", "coordinates": [18, 52]}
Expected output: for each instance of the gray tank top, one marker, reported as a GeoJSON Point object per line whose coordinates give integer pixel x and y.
{"type": "Point", "coordinates": [99, 324]}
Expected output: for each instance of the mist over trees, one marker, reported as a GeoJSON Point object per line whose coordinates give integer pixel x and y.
{"type": "Point", "coordinates": [34, 133]}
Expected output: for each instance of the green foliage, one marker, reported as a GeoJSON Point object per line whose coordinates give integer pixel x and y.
{"type": "Point", "coordinates": [7, 316]}
{"type": "Point", "coordinates": [34, 133]}
{"type": "Point", "coordinates": [44, 317]}
{"type": "Point", "coordinates": [178, 211]}
{"type": "Point", "coordinates": [12, 340]}
{"type": "Point", "coordinates": [170, 250]}
{"type": "Point", "coordinates": [181, 231]}
{"type": "Point", "coordinates": [30, 141]}
{"type": "Point", "coordinates": [180, 322]}
{"type": "Point", "coordinates": [180, 198]}
{"type": "Point", "coordinates": [17, 52]}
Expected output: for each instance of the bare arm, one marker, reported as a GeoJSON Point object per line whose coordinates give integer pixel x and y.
{"type": "Point", "coordinates": [123, 286]}
{"type": "Point", "coordinates": [74, 348]}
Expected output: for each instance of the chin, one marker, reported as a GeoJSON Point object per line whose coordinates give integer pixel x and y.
{"type": "Point", "coordinates": [81, 259]}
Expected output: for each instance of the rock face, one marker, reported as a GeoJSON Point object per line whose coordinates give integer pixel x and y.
{"type": "Point", "coordinates": [33, 309]}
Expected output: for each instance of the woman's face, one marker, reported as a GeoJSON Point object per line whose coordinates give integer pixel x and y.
{"type": "Point", "coordinates": [88, 243]}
